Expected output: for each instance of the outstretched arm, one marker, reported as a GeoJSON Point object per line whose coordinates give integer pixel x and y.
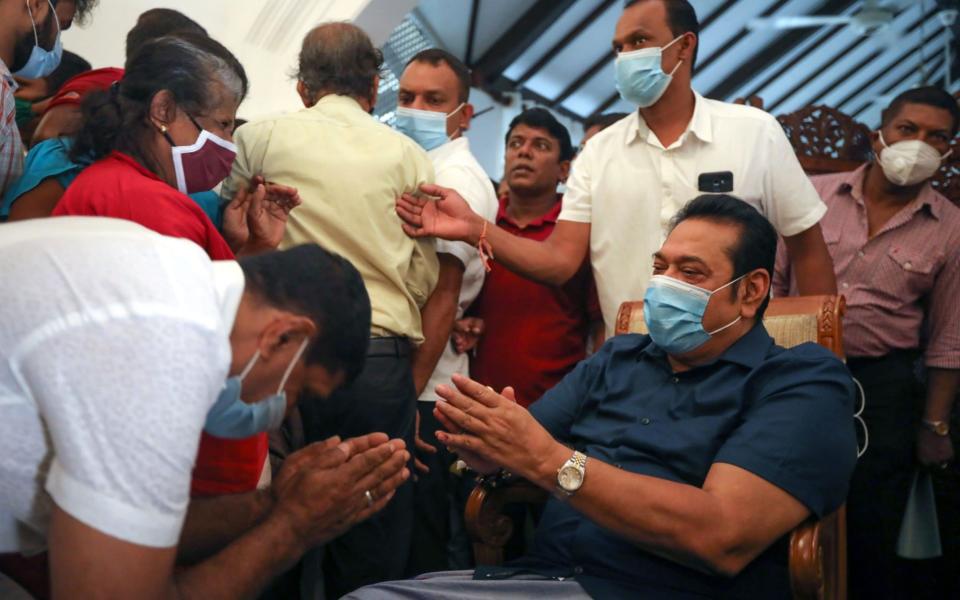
{"type": "Point", "coordinates": [553, 261]}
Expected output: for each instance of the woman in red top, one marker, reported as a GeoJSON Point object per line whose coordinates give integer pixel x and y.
{"type": "Point", "coordinates": [165, 131]}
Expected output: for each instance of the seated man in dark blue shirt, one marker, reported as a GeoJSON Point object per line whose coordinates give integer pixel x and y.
{"type": "Point", "coordinates": [679, 461]}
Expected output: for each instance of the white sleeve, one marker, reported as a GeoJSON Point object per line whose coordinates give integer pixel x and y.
{"type": "Point", "coordinates": [578, 199]}
{"type": "Point", "coordinates": [124, 403]}
{"type": "Point", "coordinates": [790, 201]}
{"type": "Point", "coordinates": [466, 184]}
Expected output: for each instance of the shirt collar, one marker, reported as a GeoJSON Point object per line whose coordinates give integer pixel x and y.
{"type": "Point", "coordinates": [228, 284]}
{"type": "Point", "coordinates": [749, 351]}
{"type": "Point", "coordinates": [700, 125]}
{"type": "Point", "coordinates": [550, 217]}
{"type": "Point", "coordinates": [332, 100]}
{"type": "Point", "coordinates": [449, 148]}
{"type": "Point", "coordinates": [7, 76]}
{"type": "Point", "coordinates": [851, 184]}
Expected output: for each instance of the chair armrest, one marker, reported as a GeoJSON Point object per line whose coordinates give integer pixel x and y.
{"type": "Point", "coordinates": [488, 527]}
{"type": "Point", "coordinates": [818, 558]}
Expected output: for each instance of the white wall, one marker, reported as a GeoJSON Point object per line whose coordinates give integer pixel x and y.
{"type": "Point", "coordinates": [265, 35]}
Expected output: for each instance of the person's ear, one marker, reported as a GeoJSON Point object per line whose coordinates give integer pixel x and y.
{"type": "Point", "coordinates": [875, 142]}
{"type": "Point", "coordinates": [753, 289]}
{"type": "Point", "coordinates": [688, 45]}
{"type": "Point", "coordinates": [466, 113]}
{"type": "Point", "coordinates": [40, 9]}
{"type": "Point", "coordinates": [305, 96]}
{"type": "Point", "coordinates": [564, 170]}
{"type": "Point", "coordinates": [285, 329]}
{"type": "Point", "coordinates": [374, 93]}
{"type": "Point", "coordinates": [163, 109]}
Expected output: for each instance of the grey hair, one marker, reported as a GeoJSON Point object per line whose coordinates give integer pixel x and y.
{"type": "Point", "coordinates": [215, 68]}
{"type": "Point", "coordinates": [339, 58]}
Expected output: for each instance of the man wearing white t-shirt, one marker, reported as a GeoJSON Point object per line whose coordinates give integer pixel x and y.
{"type": "Point", "coordinates": [633, 177]}
{"type": "Point", "coordinates": [434, 110]}
{"type": "Point", "coordinates": [114, 344]}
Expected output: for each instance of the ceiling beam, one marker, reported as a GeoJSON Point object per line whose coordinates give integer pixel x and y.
{"type": "Point", "coordinates": [803, 83]}
{"type": "Point", "coordinates": [852, 95]}
{"type": "Point", "coordinates": [529, 94]}
{"type": "Point", "coordinates": [472, 30]}
{"type": "Point", "coordinates": [583, 78]}
{"type": "Point", "coordinates": [937, 65]}
{"type": "Point", "coordinates": [831, 33]}
{"type": "Point", "coordinates": [717, 14]}
{"type": "Point", "coordinates": [565, 41]}
{"type": "Point", "coordinates": [525, 30]}
{"type": "Point", "coordinates": [850, 48]}
{"type": "Point", "coordinates": [720, 53]}
{"type": "Point", "coordinates": [768, 55]}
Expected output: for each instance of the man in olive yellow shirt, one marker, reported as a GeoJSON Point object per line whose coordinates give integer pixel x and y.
{"type": "Point", "coordinates": [349, 169]}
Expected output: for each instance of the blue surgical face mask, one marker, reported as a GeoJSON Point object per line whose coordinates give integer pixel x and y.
{"type": "Point", "coordinates": [425, 127]}
{"type": "Point", "coordinates": [640, 76]}
{"type": "Point", "coordinates": [231, 417]}
{"type": "Point", "coordinates": [673, 311]}
{"type": "Point", "coordinates": [42, 62]}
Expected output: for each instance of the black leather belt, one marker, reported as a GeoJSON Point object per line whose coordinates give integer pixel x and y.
{"type": "Point", "coordinates": [389, 346]}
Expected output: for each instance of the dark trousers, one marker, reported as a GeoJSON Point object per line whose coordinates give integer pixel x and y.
{"type": "Point", "coordinates": [432, 501]}
{"type": "Point", "coordinates": [382, 399]}
{"type": "Point", "coordinates": [881, 480]}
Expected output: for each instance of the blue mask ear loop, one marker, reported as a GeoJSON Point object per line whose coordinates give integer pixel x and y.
{"type": "Point", "coordinates": [728, 284]}
{"type": "Point", "coordinates": [293, 363]}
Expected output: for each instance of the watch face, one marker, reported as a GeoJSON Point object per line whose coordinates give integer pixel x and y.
{"type": "Point", "coordinates": [570, 478]}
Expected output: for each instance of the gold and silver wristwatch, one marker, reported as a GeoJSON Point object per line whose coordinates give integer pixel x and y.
{"type": "Point", "coordinates": [941, 428]}
{"type": "Point", "coordinates": [570, 476]}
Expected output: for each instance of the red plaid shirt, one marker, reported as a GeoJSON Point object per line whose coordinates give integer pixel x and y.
{"type": "Point", "coordinates": [11, 147]}
{"type": "Point", "coordinates": [909, 271]}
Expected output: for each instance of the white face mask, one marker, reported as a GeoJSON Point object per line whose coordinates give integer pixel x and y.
{"type": "Point", "coordinates": [909, 162]}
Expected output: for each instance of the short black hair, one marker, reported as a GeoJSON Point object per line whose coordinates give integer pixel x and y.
{"type": "Point", "coordinates": [542, 118]}
{"type": "Point", "coordinates": [757, 244]}
{"type": "Point", "coordinates": [157, 23]}
{"type": "Point", "coordinates": [84, 8]}
{"type": "Point", "coordinates": [436, 56]}
{"type": "Point", "coordinates": [929, 95]}
{"type": "Point", "coordinates": [326, 288]}
{"type": "Point", "coordinates": [603, 121]}
{"type": "Point", "coordinates": [681, 19]}
{"type": "Point", "coordinates": [70, 65]}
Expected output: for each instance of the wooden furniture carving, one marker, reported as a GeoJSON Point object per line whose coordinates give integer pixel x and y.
{"type": "Point", "coordinates": [818, 555]}
{"type": "Point", "coordinates": [827, 140]}
{"type": "Point", "coordinates": [947, 179]}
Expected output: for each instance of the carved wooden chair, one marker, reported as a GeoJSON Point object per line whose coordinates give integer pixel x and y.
{"type": "Point", "coordinates": [818, 555]}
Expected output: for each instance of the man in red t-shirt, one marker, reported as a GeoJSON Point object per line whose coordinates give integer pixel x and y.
{"type": "Point", "coordinates": [533, 334]}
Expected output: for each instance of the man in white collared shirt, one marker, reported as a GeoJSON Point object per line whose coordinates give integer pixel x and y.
{"type": "Point", "coordinates": [634, 176]}
{"type": "Point", "coordinates": [434, 110]}
{"type": "Point", "coordinates": [115, 342]}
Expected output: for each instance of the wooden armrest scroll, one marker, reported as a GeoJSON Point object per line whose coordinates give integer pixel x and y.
{"type": "Point", "coordinates": [488, 526]}
{"type": "Point", "coordinates": [818, 558]}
